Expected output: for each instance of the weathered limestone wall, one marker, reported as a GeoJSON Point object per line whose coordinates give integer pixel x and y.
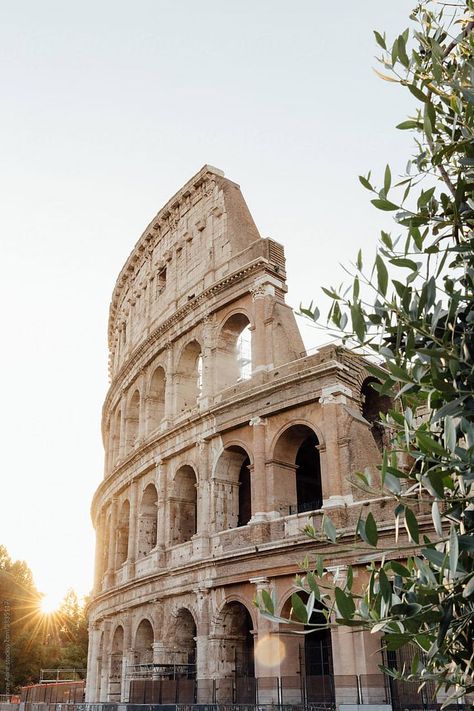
{"type": "Point", "coordinates": [222, 440]}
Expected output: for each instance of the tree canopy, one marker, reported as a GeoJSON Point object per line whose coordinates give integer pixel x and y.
{"type": "Point", "coordinates": [411, 312]}
{"type": "Point", "coordinates": [31, 639]}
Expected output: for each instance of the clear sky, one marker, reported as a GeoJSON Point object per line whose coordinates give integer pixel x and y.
{"type": "Point", "coordinates": [106, 110]}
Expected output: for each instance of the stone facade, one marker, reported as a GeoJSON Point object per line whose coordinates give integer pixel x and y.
{"type": "Point", "coordinates": [223, 438]}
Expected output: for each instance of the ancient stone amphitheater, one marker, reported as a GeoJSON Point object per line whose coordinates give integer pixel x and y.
{"type": "Point", "coordinates": [223, 438]}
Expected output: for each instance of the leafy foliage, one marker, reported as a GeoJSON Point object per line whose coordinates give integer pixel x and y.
{"type": "Point", "coordinates": [412, 312]}
{"type": "Point", "coordinates": [37, 641]}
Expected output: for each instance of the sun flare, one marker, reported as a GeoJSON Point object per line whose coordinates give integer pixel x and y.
{"type": "Point", "coordinates": [49, 603]}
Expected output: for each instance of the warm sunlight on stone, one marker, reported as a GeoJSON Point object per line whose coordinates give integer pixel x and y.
{"type": "Point", "coordinates": [270, 651]}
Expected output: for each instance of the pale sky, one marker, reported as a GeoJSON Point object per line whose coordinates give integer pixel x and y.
{"type": "Point", "coordinates": [106, 110]}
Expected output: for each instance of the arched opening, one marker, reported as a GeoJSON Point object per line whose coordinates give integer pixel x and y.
{"type": "Point", "coordinates": [297, 471]}
{"type": "Point", "coordinates": [122, 534]}
{"type": "Point", "coordinates": [189, 377]}
{"type": "Point", "coordinates": [156, 400]}
{"type": "Point", "coordinates": [372, 405]}
{"type": "Point", "coordinates": [184, 506]}
{"type": "Point", "coordinates": [234, 352]}
{"type": "Point", "coordinates": [147, 524]}
{"type": "Point", "coordinates": [133, 419]}
{"type": "Point", "coordinates": [238, 648]}
{"type": "Point", "coordinates": [116, 663]}
{"type": "Point", "coordinates": [144, 639]}
{"type": "Point", "coordinates": [309, 655]}
{"type": "Point", "coordinates": [232, 493]}
{"type": "Point", "coordinates": [185, 640]}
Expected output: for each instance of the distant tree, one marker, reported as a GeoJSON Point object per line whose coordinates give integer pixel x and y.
{"type": "Point", "coordinates": [412, 311]}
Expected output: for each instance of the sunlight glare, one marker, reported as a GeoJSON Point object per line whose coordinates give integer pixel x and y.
{"type": "Point", "coordinates": [270, 651]}
{"type": "Point", "coordinates": [50, 603]}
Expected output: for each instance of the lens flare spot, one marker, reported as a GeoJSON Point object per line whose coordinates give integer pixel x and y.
{"type": "Point", "coordinates": [270, 651]}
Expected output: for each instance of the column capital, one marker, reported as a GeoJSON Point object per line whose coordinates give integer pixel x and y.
{"type": "Point", "coordinates": [334, 394]}
{"type": "Point", "coordinates": [258, 421]}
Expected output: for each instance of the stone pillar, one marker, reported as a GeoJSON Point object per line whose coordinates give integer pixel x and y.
{"type": "Point", "coordinates": [334, 489]}
{"type": "Point", "coordinates": [110, 575]}
{"type": "Point", "coordinates": [122, 448]}
{"type": "Point", "coordinates": [127, 652]}
{"type": "Point", "coordinates": [104, 677]}
{"type": "Point", "coordinates": [268, 647]}
{"type": "Point", "coordinates": [93, 678]}
{"type": "Point", "coordinates": [208, 362]}
{"type": "Point", "coordinates": [257, 471]}
{"type": "Point", "coordinates": [169, 386]}
{"type": "Point", "coordinates": [205, 664]}
{"type": "Point", "coordinates": [132, 531]}
{"type": "Point", "coordinates": [99, 552]}
{"type": "Point", "coordinates": [161, 487]}
{"type": "Point", "coordinates": [203, 499]}
{"type": "Point", "coordinates": [258, 330]}
{"type": "Point", "coordinates": [141, 433]}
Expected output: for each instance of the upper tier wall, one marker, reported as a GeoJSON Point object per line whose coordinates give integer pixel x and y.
{"type": "Point", "coordinates": [190, 244]}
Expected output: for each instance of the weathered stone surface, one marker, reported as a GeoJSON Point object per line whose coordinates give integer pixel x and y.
{"type": "Point", "coordinates": [222, 439]}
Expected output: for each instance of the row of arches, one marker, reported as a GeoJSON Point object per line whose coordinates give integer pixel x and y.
{"type": "Point", "coordinates": [144, 408]}
{"type": "Point", "coordinates": [298, 488]}
{"type": "Point", "coordinates": [233, 638]}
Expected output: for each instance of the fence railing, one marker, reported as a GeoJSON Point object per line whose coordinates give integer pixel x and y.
{"type": "Point", "coordinates": [286, 690]}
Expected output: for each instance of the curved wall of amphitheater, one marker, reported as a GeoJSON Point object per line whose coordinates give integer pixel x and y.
{"type": "Point", "coordinates": [222, 438]}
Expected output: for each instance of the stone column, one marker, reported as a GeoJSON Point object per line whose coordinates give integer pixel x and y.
{"type": "Point", "coordinates": [104, 677]}
{"type": "Point", "coordinates": [332, 476]}
{"type": "Point", "coordinates": [99, 552]}
{"type": "Point", "coordinates": [201, 543]}
{"type": "Point", "coordinates": [257, 471]}
{"type": "Point", "coordinates": [110, 575]}
{"type": "Point", "coordinates": [258, 330]}
{"type": "Point", "coordinates": [161, 487]}
{"type": "Point", "coordinates": [208, 362]}
{"type": "Point", "coordinates": [169, 386]}
{"type": "Point", "coordinates": [93, 679]}
{"type": "Point", "coordinates": [122, 448]}
{"type": "Point", "coordinates": [267, 645]}
{"type": "Point", "coordinates": [132, 531]}
{"type": "Point", "coordinates": [127, 654]}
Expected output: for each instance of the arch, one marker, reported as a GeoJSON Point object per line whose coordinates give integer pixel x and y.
{"type": "Point", "coordinates": [122, 534]}
{"type": "Point", "coordinates": [184, 636]}
{"type": "Point", "coordinates": [143, 644]}
{"type": "Point", "coordinates": [234, 627]}
{"type": "Point", "coordinates": [132, 423]}
{"type": "Point", "coordinates": [232, 495]}
{"type": "Point", "coordinates": [234, 351]}
{"type": "Point", "coordinates": [314, 651]}
{"type": "Point", "coordinates": [183, 505]}
{"type": "Point", "coordinates": [372, 405]}
{"type": "Point", "coordinates": [116, 665]}
{"type": "Point", "coordinates": [147, 520]}
{"type": "Point", "coordinates": [189, 376]}
{"type": "Point", "coordinates": [155, 402]}
{"type": "Point", "coordinates": [296, 465]}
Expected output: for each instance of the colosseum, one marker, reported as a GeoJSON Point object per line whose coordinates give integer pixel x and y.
{"type": "Point", "coordinates": [223, 439]}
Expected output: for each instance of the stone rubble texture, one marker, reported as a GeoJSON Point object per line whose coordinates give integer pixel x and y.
{"type": "Point", "coordinates": [198, 442]}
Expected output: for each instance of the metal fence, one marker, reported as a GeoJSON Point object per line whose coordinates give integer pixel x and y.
{"type": "Point", "coordinates": [326, 690]}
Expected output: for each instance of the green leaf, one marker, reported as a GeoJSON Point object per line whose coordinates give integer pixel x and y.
{"type": "Point", "coordinates": [329, 528]}
{"type": "Point", "coordinates": [411, 525]}
{"type": "Point", "coordinates": [371, 530]}
{"type": "Point", "coordinates": [401, 50]}
{"type": "Point", "coordinates": [358, 325]}
{"type": "Point", "coordinates": [469, 588]}
{"type": "Point", "coordinates": [387, 180]}
{"type": "Point", "coordinates": [429, 445]}
{"type": "Point", "coordinates": [345, 604]}
{"type": "Point", "coordinates": [382, 204]}
{"type": "Point", "coordinates": [298, 609]}
{"type": "Point", "coordinates": [268, 602]}
{"type": "Point", "coordinates": [404, 125]}
{"type": "Point", "coordinates": [382, 274]}
{"type": "Point", "coordinates": [365, 183]}
{"type": "Point", "coordinates": [453, 550]}
{"type": "Point", "coordinates": [403, 262]}
{"type": "Point", "coordinates": [380, 40]}
{"type": "Point", "coordinates": [435, 515]}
